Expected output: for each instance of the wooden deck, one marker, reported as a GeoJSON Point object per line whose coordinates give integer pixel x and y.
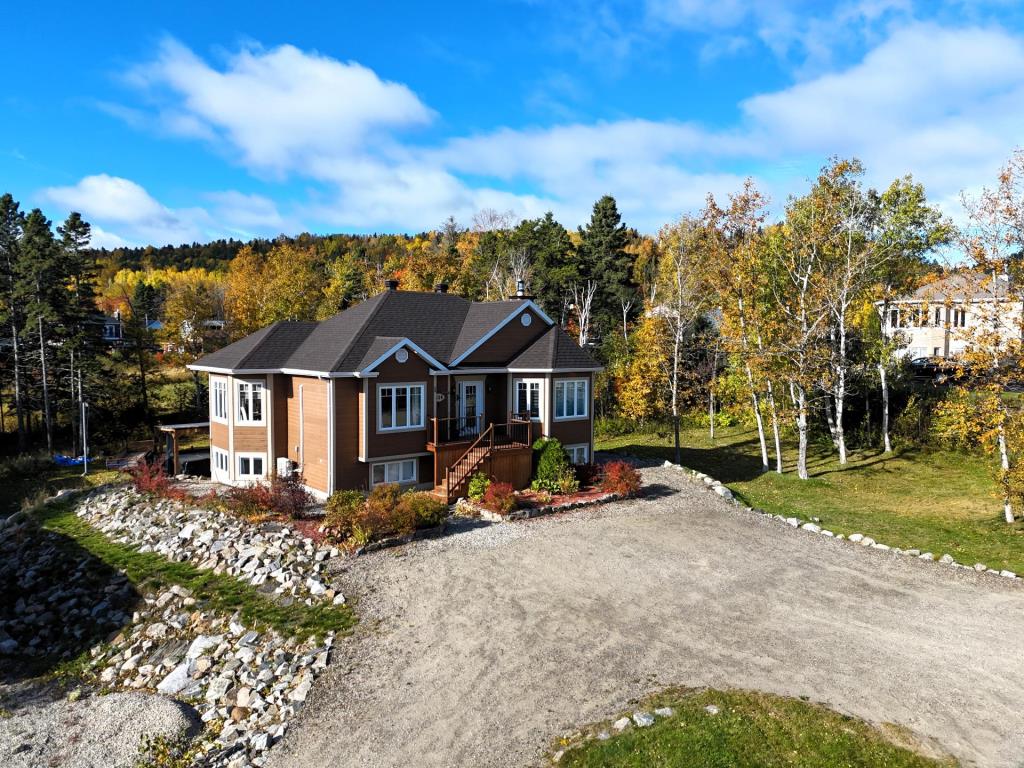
{"type": "Point", "coordinates": [503, 452]}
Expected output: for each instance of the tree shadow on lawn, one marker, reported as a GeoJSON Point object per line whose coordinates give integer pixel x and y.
{"type": "Point", "coordinates": [58, 600]}
{"type": "Point", "coordinates": [726, 463]}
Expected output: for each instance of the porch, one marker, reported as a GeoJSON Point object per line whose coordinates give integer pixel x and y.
{"type": "Point", "coordinates": [463, 446]}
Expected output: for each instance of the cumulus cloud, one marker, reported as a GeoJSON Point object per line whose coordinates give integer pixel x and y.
{"type": "Point", "coordinates": [282, 108]}
{"type": "Point", "coordinates": [939, 102]}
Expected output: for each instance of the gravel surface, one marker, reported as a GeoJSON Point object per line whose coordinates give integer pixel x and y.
{"type": "Point", "coordinates": [482, 647]}
{"type": "Point", "coordinates": [98, 732]}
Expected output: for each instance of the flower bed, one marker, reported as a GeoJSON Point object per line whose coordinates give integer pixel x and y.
{"type": "Point", "coordinates": [384, 518]}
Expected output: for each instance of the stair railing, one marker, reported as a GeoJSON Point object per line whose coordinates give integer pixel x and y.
{"type": "Point", "coordinates": [456, 473]}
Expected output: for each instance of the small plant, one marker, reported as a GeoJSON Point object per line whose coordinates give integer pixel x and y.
{"type": "Point", "coordinates": [588, 475]}
{"type": "Point", "coordinates": [478, 484]}
{"type": "Point", "coordinates": [552, 465]}
{"type": "Point", "coordinates": [253, 502]}
{"type": "Point", "coordinates": [344, 510]}
{"type": "Point", "coordinates": [567, 482]}
{"type": "Point", "coordinates": [542, 497]}
{"type": "Point", "coordinates": [500, 498]}
{"type": "Point", "coordinates": [426, 510]}
{"type": "Point", "coordinates": [150, 478]}
{"type": "Point", "coordinates": [168, 751]}
{"type": "Point", "coordinates": [620, 477]}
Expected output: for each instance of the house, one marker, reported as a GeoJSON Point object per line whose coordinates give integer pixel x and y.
{"type": "Point", "coordinates": [939, 319]}
{"type": "Point", "coordinates": [416, 388]}
{"type": "Point", "coordinates": [113, 329]}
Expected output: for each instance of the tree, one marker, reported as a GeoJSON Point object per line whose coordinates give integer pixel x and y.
{"type": "Point", "coordinates": [905, 228]}
{"type": "Point", "coordinates": [12, 222]}
{"type": "Point", "coordinates": [583, 302]}
{"type": "Point", "coordinates": [40, 287]}
{"type": "Point", "coordinates": [605, 261]}
{"type": "Point", "coordinates": [553, 257]}
{"type": "Point", "coordinates": [195, 301]}
{"type": "Point", "coordinates": [642, 387]}
{"type": "Point", "coordinates": [683, 299]}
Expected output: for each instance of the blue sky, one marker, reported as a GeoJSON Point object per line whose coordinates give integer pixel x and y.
{"type": "Point", "coordinates": [189, 121]}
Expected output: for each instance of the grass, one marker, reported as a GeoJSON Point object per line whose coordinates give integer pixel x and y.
{"type": "Point", "coordinates": [751, 730]}
{"type": "Point", "coordinates": [932, 500]}
{"type": "Point", "coordinates": [28, 480]}
{"type": "Point", "coordinates": [215, 592]}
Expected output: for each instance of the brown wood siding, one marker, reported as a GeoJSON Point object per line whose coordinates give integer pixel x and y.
{"type": "Point", "coordinates": [412, 371]}
{"type": "Point", "coordinates": [349, 471]}
{"type": "Point", "coordinates": [572, 431]}
{"type": "Point", "coordinates": [219, 435]}
{"type": "Point", "coordinates": [281, 387]}
{"type": "Point", "coordinates": [250, 439]}
{"type": "Point", "coordinates": [314, 429]}
{"type": "Point", "coordinates": [508, 342]}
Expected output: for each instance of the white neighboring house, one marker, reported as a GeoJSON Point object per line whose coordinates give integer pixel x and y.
{"type": "Point", "coordinates": [938, 319]}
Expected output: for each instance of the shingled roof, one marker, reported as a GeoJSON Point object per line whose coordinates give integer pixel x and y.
{"type": "Point", "coordinates": [442, 325]}
{"type": "Point", "coordinates": [555, 349]}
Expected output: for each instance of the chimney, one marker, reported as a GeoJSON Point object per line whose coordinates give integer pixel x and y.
{"type": "Point", "coordinates": [441, 288]}
{"type": "Point", "coordinates": [391, 285]}
{"type": "Point", "coordinates": [520, 294]}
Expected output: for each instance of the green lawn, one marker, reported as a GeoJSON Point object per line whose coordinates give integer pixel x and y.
{"type": "Point", "coordinates": [751, 730]}
{"type": "Point", "coordinates": [939, 501]}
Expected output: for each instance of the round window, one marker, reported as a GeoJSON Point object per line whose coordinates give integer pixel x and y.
{"type": "Point", "coordinates": [402, 355]}
{"type": "Point", "coordinates": [526, 318]}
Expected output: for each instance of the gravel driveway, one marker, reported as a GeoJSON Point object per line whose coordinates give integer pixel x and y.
{"type": "Point", "coordinates": [480, 648]}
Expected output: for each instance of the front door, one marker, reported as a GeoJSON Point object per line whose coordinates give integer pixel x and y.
{"type": "Point", "coordinates": [471, 407]}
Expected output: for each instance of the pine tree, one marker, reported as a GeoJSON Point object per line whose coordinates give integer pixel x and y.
{"type": "Point", "coordinates": [603, 258]}
{"type": "Point", "coordinates": [40, 287]}
{"type": "Point", "coordinates": [553, 256]}
{"type": "Point", "coordinates": [12, 222]}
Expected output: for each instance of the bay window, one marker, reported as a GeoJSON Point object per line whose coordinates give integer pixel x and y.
{"type": "Point", "coordinates": [250, 402]}
{"type": "Point", "coordinates": [571, 398]}
{"type": "Point", "coordinates": [400, 406]}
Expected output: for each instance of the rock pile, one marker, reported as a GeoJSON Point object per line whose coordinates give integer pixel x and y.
{"type": "Point", "coordinates": [269, 556]}
{"type": "Point", "coordinates": [244, 684]}
{"type": "Point", "coordinates": [57, 599]}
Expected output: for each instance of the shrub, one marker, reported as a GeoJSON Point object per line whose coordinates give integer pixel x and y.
{"type": "Point", "coordinates": [288, 497]}
{"type": "Point", "coordinates": [425, 509]}
{"type": "Point", "coordinates": [552, 464]}
{"type": "Point", "coordinates": [382, 515]}
{"type": "Point", "coordinates": [344, 510]}
{"type": "Point", "coordinates": [613, 426]}
{"type": "Point", "coordinates": [282, 496]}
{"type": "Point", "coordinates": [588, 474]}
{"type": "Point", "coordinates": [620, 477]}
{"type": "Point", "coordinates": [150, 478]}
{"type": "Point", "coordinates": [500, 498]}
{"type": "Point", "coordinates": [478, 486]}
{"type": "Point", "coordinates": [567, 482]}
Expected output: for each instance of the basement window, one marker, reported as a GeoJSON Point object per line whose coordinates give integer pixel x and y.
{"type": "Point", "coordinates": [250, 465]}
{"type": "Point", "coordinates": [394, 472]}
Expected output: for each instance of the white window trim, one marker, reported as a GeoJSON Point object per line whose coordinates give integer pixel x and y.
{"type": "Point", "coordinates": [216, 381]}
{"type": "Point", "coordinates": [541, 400]}
{"type": "Point", "coordinates": [247, 455]}
{"type": "Point", "coordinates": [586, 399]}
{"type": "Point", "coordinates": [570, 449]}
{"type": "Point", "coordinates": [240, 422]}
{"type": "Point", "coordinates": [423, 406]}
{"type": "Point", "coordinates": [214, 454]}
{"type": "Point", "coordinates": [385, 464]}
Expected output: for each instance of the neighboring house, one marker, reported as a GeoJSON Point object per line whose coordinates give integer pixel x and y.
{"type": "Point", "coordinates": [421, 389]}
{"type": "Point", "coordinates": [938, 319]}
{"type": "Point", "coordinates": [113, 329]}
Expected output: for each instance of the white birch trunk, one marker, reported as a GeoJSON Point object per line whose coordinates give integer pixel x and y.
{"type": "Point", "coordinates": [1004, 460]}
{"type": "Point", "coordinates": [801, 427]}
{"type": "Point", "coordinates": [775, 427]}
{"type": "Point", "coordinates": [711, 413]}
{"type": "Point", "coordinates": [841, 389]}
{"type": "Point", "coordinates": [885, 407]}
{"type": "Point", "coordinates": [753, 390]}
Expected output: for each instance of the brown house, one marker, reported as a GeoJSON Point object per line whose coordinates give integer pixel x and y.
{"type": "Point", "coordinates": [421, 389]}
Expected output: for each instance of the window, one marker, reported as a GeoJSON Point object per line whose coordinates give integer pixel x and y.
{"type": "Point", "coordinates": [571, 399]}
{"type": "Point", "coordinates": [219, 399]}
{"type": "Point", "coordinates": [394, 472]}
{"type": "Point", "coordinates": [936, 352]}
{"type": "Point", "coordinates": [528, 397]}
{"type": "Point", "coordinates": [250, 402]}
{"type": "Point", "coordinates": [894, 318]}
{"type": "Point", "coordinates": [938, 316]}
{"type": "Point", "coordinates": [400, 406]}
{"type": "Point", "coordinates": [220, 460]}
{"type": "Point", "coordinates": [250, 465]}
{"type": "Point", "coordinates": [578, 453]}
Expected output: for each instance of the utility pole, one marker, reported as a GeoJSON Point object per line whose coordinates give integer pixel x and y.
{"type": "Point", "coordinates": [85, 438]}
{"type": "Point", "coordinates": [46, 390]}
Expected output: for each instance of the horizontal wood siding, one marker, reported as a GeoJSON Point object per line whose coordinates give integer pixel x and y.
{"type": "Point", "coordinates": [314, 429]}
{"type": "Point", "coordinates": [508, 342]}
{"type": "Point", "coordinates": [248, 439]}
{"type": "Point", "coordinates": [350, 473]}
{"type": "Point", "coordinates": [219, 435]}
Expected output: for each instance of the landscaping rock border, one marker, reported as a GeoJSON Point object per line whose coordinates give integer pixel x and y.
{"type": "Point", "coordinates": [811, 526]}
{"type": "Point", "coordinates": [468, 507]}
{"type": "Point", "coordinates": [270, 556]}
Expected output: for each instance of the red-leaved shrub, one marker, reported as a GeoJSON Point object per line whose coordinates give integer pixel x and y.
{"type": "Point", "coordinates": [620, 477]}
{"type": "Point", "coordinates": [283, 496]}
{"type": "Point", "coordinates": [500, 498]}
{"type": "Point", "coordinates": [150, 478]}
{"type": "Point", "coordinates": [588, 474]}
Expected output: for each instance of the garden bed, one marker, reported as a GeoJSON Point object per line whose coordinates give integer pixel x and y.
{"type": "Point", "coordinates": [528, 506]}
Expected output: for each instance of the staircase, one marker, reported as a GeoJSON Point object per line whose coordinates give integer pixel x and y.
{"type": "Point", "coordinates": [458, 474]}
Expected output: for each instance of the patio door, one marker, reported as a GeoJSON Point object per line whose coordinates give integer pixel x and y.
{"type": "Point", "coordinates": [471, 407]}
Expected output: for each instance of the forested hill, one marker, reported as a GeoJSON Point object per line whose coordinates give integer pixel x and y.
{"type": "Point", "coordinates": [216, 254]}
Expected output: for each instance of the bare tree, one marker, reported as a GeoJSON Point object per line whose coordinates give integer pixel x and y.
{"type": "Point", "coordinates": [489, 220]}
{"type": "Point", "coordinates": [583, 299]}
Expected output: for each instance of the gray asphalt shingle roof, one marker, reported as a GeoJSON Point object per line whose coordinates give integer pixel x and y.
{"type": "Point", "coordinates": [441, 324]}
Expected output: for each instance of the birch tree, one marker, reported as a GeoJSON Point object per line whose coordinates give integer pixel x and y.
{"type": "Point", "coordinates": [583, 303]}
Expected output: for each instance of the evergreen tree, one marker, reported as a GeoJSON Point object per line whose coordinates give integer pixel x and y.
{"type": "Point", "coordinates": [12, 222]}
{"type": "Point", "coordinates": [553, 256]}
{"type": "Point", "coordinates": [40, 287]}
{"type": "Point", "coordinates": [604, 259]}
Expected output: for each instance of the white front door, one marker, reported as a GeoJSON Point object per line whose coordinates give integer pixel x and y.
{"type": "Point", "coordinates": [471, 407]}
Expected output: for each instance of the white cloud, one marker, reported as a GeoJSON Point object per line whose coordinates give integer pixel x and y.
{"type": "Point", "coordinates": [280, 108]}
{"type": "Point", "coordinates": [114, 203]}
